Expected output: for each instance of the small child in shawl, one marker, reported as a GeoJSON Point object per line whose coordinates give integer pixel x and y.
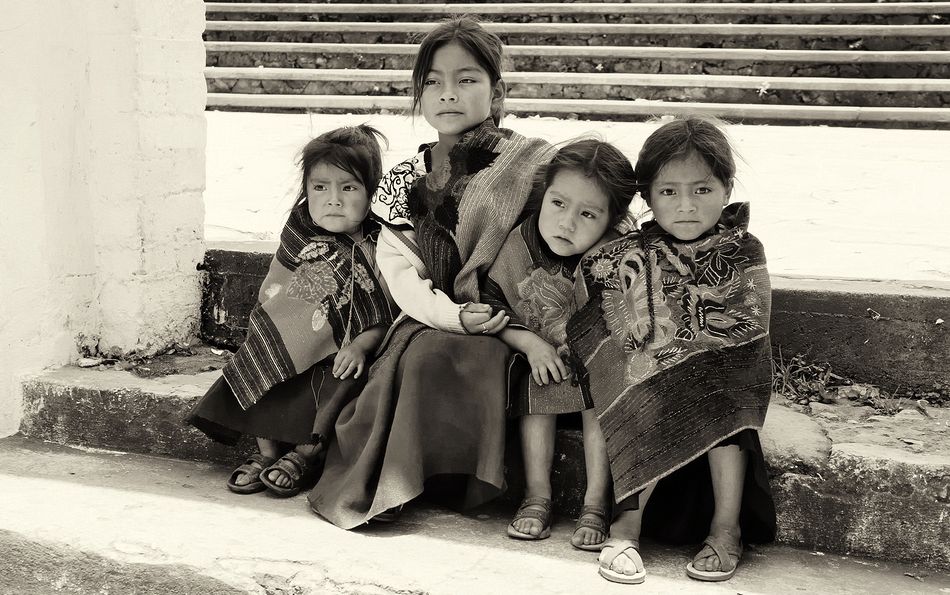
{"type": "Point", "coordinates": [584, 192]}
{"type": "Point", "coordinates": [322, 311]}
{"type": "Point", "coordinates": [672, 335]}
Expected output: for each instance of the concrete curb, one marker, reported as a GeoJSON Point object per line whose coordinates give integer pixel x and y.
{"type": "Point", "coordinates": [845, 498]}
{"type": "Point", "coordinates": [889, 326]}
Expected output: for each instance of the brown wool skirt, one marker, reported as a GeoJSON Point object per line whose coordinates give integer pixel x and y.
{"type": "Point", "coordinates": [300, 410]}
{"type": "Point", "coordinates": [433, 410]}
{"type": "Point", "coordinates": [681, 507]}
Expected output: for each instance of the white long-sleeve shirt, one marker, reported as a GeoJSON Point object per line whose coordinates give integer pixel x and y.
{"type": "Point", "coordinates": [416, 296]}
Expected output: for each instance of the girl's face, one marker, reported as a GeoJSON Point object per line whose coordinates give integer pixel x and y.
{"type": "Point", "coordinates": [336, 199]}
{"type": "Point", "coordinates": [457, 92]}
{"type": "Point", "coordinates": [686, 198]}
{"type": "Point", "coordinates": [574, 213]}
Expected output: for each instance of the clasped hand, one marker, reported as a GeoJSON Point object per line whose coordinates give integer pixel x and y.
{"type": "Point", "coordinates": [478, 319]}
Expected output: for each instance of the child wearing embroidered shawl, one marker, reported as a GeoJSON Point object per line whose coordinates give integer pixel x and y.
{"type": "Point", "coordinates": [322, 311]}
{"type": "Point", "coordinates": [672, 330]}
{"type": "Point", "coordinates": [432, 415]}
{"type": "Point", "coordinates": [580, 196]}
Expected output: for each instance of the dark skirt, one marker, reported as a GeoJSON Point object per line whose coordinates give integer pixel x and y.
{"type": "Point", "coordinates": [433, 409]}
{"type": "Point", "coordinates": [301, 410]}
{"type": "Point", "coordinates": [527, 398]}
{"type": "Point", "coordinates": [681, 507]}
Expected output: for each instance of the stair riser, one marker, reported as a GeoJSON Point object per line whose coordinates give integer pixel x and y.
{"type": "Point", "coordinates": [316, 16]}
{"type": "Point", "coordinates": [816, 323]}
{"type": "Point", "coordinates": [587, 64]}
{"type": "Point", "coordinates": [772, 42]}
{"type": "Point", "coordinates": [616, 92]}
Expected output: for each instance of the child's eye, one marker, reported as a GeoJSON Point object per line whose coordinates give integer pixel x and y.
{"type": "Point", "coordinates": [703, 190]}
{"type": "Point", "coordinates": [429, 82]}
{"type": "Point", "coordinates": [589, 215]}
{"type": "Point", "coordinates": [467, 80]}
{"type": "Point", "coordinates": [319, 187]}
{"type": "Point", "coordinates": [351, 188]}
{"type": "Point", "coordinates": [667, 192]}
{"type": "Point", "coordinates": [557, 202]}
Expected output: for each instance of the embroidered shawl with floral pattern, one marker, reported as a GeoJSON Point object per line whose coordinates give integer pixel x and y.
{"type": "Point", "coordinates": [321, 291]}
{"type": "Point", "coordinates": [674, 340]}
{"type": "Point", "coordinates": [536, 288]}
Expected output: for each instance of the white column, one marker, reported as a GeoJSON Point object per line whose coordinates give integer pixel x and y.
{"type": "Point", "coordinates": [101, 175]}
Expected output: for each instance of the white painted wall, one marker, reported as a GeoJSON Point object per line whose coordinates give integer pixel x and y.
{"type": "Point", "coordinates": [102, 138]}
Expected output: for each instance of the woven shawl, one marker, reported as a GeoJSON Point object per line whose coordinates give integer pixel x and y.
{"type": "Point", "coordinates": [536, 288]}
{"type": "Point", "coordinates": [462, 213]}
{"type": "Point", "coordinates": [321, 291]}
{"type": "Point", "coordinates": [674, 339]}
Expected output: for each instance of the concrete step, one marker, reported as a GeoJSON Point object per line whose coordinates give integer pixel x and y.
{"type": "Point", "coordinates": [769, 36]}
{"type": "Point", "coordinates": [80, 521]}
{"type": "Point", "coordinates": [648, 59]}
{"type": "Point", "coordinates": [838, 487]}
{"type": "Point", "coordinates": [904, 13]}
{"type": "Point", "coordinates": [616, 86]}
{"type": "Point", "coordinates": [901, 351]}
{"type": "Point", "coordinates": [594, 109]}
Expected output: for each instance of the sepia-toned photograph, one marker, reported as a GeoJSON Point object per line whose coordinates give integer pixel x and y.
{"type": "Point", "coordinates": [438, 297]}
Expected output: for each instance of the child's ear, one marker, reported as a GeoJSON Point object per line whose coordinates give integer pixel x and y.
{"type": "Point", "coordinates": [499, 91]}
{"type": "Point", "coordinates": [728, 195]}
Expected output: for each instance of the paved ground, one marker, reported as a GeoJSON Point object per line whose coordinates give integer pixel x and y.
{"type": "Point", "coordinates": [827, 201]}
{"type": "Point", "coordinates": [74, 521]}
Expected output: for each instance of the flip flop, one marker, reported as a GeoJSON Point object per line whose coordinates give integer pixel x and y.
{"type": "Point", "coordinates": [726, 565]}
{"type": "Point", "coordinates": [302, 473]}
{"type": "Point", "coordinates": [592, 517]}
{"type": "Point", "coordinates": [628, 548]}
{"type": "Point", "coordinates": [543, 515]}
{"type": "Point", "coordinates": [252, 467]}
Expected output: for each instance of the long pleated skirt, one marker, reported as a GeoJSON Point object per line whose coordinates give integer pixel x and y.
{"type": "Point", "coordinates": [301, 410]}
{"type": "Point", "coordinates": [433, 409]}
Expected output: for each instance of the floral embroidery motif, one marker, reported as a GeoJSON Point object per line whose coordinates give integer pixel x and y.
{"type": "Point", "coordinates": [546, 304]}
{"type": "Point", "coordinates": [313, 282]}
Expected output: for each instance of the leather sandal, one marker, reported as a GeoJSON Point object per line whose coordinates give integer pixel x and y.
{"type": "Point", "coordinates": [303, 474]}
{"type": "Point", "coordinates": [252, 468]}
{"type": "Point", "coordinates": [727, 566]}
{"type": "Point", "coordinates": [594, 518]}
{"type": "Point", "coordinates": [541, 512]}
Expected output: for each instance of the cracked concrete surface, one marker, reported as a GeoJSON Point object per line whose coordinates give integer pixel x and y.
{"type": "Point", "coordinates": [153, 519]}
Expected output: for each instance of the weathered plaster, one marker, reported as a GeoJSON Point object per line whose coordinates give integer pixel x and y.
{"type": "Point", "coordinates": [101, 176]}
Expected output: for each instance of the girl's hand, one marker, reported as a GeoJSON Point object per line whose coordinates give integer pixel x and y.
{"type": "Point", "coordinates": [349, 360]}
{"type": "Point", "coordinates": [545, 362]}
{"type": "Point", "coordinates": [478, 320]}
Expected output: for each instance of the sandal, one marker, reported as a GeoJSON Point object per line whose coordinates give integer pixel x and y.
{"type": "Point", "coordinates": [592, 517]}
{"type": "Point", "coordinates": [727, 568]}
{"type": "Point", "coordinates": [252, 467]}
{"type": "Point", "coordinates": [390, 515]}
{"type": "Point", "coordinates": [303, 474]}
{"type": "Point", "coordinates": [524, 512]}
{"type": "Point", "coordinates": [624, 547]}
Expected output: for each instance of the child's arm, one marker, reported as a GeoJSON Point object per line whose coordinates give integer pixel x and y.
{"type": "Point", "coordinates": [352, 358]}
{"type": "Point", "coordinates": [542, 357]}
{"type": "Point", "coordinates": [416, 296]}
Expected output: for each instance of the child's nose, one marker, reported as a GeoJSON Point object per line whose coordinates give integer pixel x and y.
{"type": "Point", "coordinates": [448, 93]}
{"type": "Point", "coordinates": [567, 223]}
{"type": "Point", "coordinates": [686, 203]}
{"type": "Point", "coordinates": [333, 197]}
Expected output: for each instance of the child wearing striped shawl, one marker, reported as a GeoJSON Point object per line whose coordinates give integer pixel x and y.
{"type": "Point", "coordinates": [581, 195]}
{"type": "Point", "coordinates": [322, 311]}
{"type": "Point", "coordinates": [672, 334]}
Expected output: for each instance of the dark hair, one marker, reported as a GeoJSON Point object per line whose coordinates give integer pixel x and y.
{"type": "Point", "coordinates": [600, 161]}
{"type": "Point", "coordinates": [483, 45]}
{"type": "Point", "coordinates": [679, 139]}
{"type": "Point", "coordinates": [354, 149]}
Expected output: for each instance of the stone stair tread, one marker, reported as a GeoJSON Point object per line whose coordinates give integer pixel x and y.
{"type": "Point", "coordinates": [551, 8]}
{"type": "Point", "coordinates": [589, 107]}
{"type": "Point", "coordinates": [176, 518]}
{"type": "Point", "coordinates": [724, 29]}
{"type": "Point", "coordinates": [801, 83]}
{"type": "Point", "coordinates": [624, 52]}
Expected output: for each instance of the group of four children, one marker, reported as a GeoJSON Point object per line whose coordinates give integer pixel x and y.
{"type": "Point", "coordinates": [399, 307]}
